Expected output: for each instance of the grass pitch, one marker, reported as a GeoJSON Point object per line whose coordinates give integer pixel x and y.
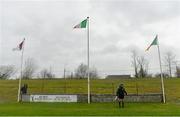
{"type": "Point", "coordinates": [93, 109]}
{"type": "Point", "coordinates": [9, 89]}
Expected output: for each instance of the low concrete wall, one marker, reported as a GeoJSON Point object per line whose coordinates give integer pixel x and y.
{"type": "Point", "coordinates": [144, 98]}
{"type": "Point", "coordinates": [128, 98]}
{"type": "Point", "coordinates": [110, 98]}
{"type": "Point", "coordinates": [25, 98]}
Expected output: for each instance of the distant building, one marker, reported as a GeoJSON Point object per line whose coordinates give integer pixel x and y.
{"type": "Point", "coordinates": [117, 76]}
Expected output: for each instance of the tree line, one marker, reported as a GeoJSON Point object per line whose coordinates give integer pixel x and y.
{"type": "Point", "coordinates": [30, 68]}
{"type": "Point", "coordinates": [139, 63]}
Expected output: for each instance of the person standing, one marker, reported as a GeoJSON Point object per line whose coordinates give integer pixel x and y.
{"type": "Point", "coordinates": [120, 95]}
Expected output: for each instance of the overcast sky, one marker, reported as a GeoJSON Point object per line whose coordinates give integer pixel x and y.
{"type": "Point", "coordinates": [116, 28]}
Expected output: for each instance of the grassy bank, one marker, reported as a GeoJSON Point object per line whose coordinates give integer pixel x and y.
{"type": "Point", "coordinates": [9, 88]}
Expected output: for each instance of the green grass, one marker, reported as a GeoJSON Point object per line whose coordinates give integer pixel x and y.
{"type": "Point", "coordinates": [94, 109]}
{"type": "Point", "coordinates": [9, 88]}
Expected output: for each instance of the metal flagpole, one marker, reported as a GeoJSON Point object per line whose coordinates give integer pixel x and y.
{"type": "Point", "coordinates": [88, 59]}
{"type": "Point", "coordinates": [19, 90]}
{"type": "Point", "coordinates": [162, 81]}
{"type": "Point", "coordinates": [64, 79]}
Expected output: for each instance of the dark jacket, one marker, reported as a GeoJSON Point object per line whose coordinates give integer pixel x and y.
{"type": "Point", "coordinates": [121, 92]}
{"type": "Point", "coordinates": [24, 89]}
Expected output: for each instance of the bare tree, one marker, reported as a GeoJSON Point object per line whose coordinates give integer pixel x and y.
{"type": "Point", "coordinates": [93, 73]}
{"type": "Point", "coordinates": [169, 58]}
{"type": "Point", "coordinates": [134, 62]}
{"type": "Point", "coordinates": [177, 72]}
{"type": "Point", "coordinates": [45, 73]}
{"type": "Point", "coordinates": [29, 68]}
{"type": "Point", "coordinates": [143, 67]}
{"type": "Point", "coordinates": [7, 71]}
{"type": "Point", "coordinates": [82, 72]}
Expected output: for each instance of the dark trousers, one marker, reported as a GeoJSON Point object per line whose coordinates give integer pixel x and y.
{"type": "Point", "coordinates": [121, 103]}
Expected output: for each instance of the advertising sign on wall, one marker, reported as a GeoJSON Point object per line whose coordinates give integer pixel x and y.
{"type": "Point", "coordinates": [53, 98]}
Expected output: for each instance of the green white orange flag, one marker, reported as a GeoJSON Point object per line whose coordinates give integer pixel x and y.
{"type": "Point", "coordinates": [82, 24]}
{"type": "Point", "coordinates": [155, 42]}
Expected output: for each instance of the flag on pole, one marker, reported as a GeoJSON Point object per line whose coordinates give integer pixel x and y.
{"type": "Point", "coordinates": [19, 47]}
{"type": "Point", "coordinates": [82, 24]}
{"type": "Point", "coordinates": [155, 42]}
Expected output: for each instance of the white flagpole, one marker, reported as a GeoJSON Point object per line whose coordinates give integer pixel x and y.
{"type": "Point", "coordinates": [162, 81]}
{"type": "Point", "coordinates": [88, 59]}
{"type": "Point", "coordinates": [19, 90]}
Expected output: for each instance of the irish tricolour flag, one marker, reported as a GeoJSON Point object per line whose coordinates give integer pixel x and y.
{"type": "Point", "coordinates": [82, 24]}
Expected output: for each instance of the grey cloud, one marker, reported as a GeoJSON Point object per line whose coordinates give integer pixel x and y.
{"type": "Point", "coordinates": [116, 27]}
